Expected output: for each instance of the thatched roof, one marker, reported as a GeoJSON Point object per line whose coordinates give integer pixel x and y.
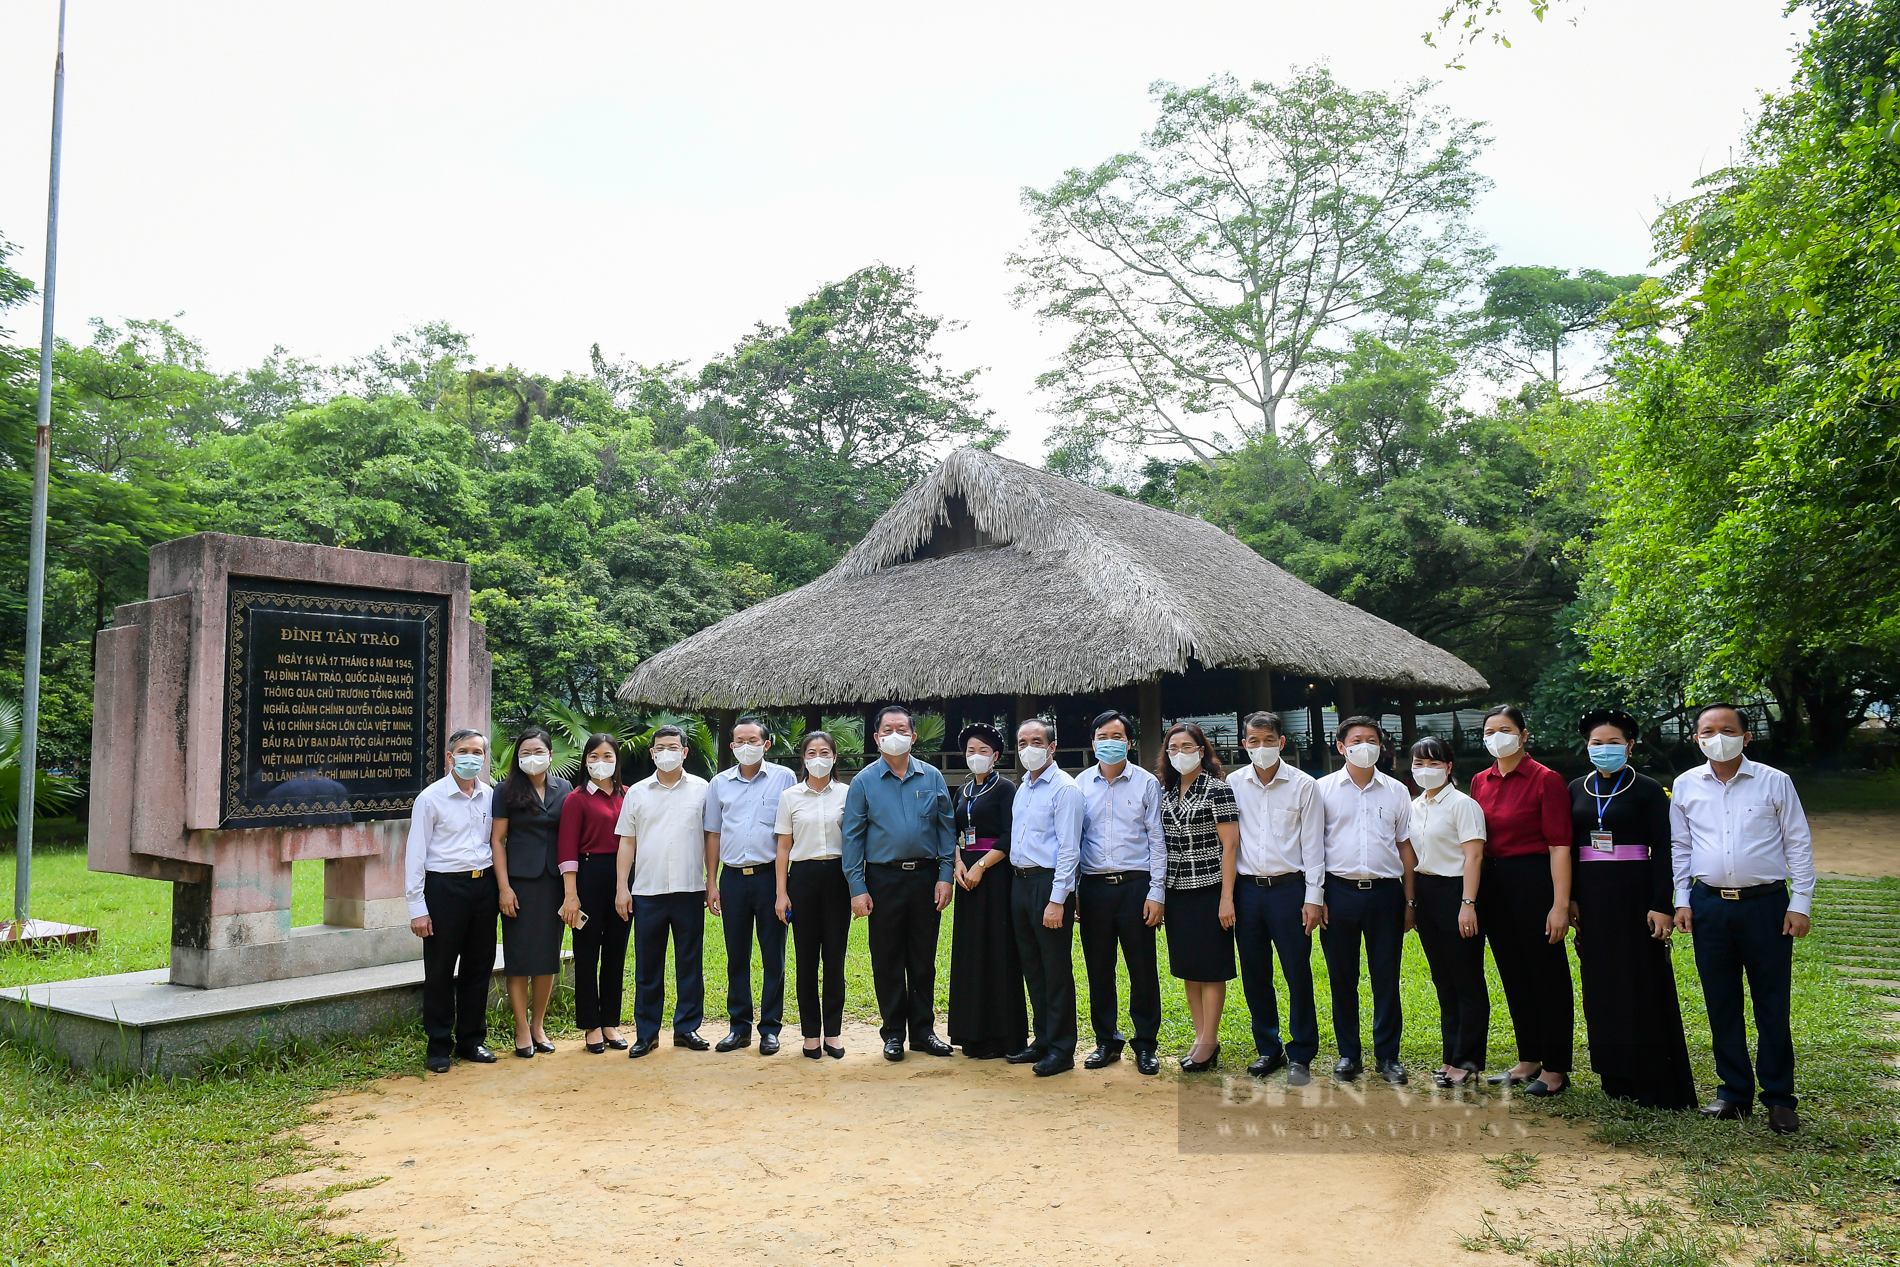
{"type": "Point", "coordinates": [991, 577]}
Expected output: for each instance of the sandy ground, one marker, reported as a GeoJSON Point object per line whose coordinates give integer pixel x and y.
{"type": "Point", "coordinates": [1856, 843]}
{"type": "Point", "coordinates": [690, 1157]}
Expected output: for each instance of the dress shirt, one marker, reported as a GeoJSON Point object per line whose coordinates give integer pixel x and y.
{"type": "Point", "coordinates": [588, 822]}
{"type": "Point", "coordinates": [1525, 812]}
{"type": "Point", "coordinates": [1121, 826]}
{"type": "Point", "coordinates": [813, 819]}
{"type": "Point", "coordinates": [1364, 826]}
{"type": "Point", "coordinates": [1046, 827]}
{"type": "Point", "coordinates": [888, 819]}
{"type": "Point", "coordinates": [448, 831]}
{"type": "Point", "coordinates": [743, 812]}
{"type": "Point", "coordinates": [1282, 825]}
{"type": "Point", "coordinates": [668, 836]}
{"type": "Point", "coordinates": [1750, 830]}
{"type": "Point", "coordinates": [1440, 826]}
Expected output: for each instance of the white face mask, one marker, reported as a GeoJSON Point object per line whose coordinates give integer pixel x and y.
{"type": "Point", "coordinates": [1032, 759]}
{"type": "Point", "coordinates": [1363, 755]}
{"type": "Point", "coordinates": [1502, 743]}
{"type": "Point", "coordinates": [1265, 757]}
{"type": "Point", "coordinates": [819, 767]}
{"type": "Point", "coordinates": [749, 753]}
{"type": "Point", "coordinates": [534, 762]}
{"type": "Point", "coordinates": [602, 770]}
{"type": "Point", "coordinates": [1720, 747]}
{"type": "Point", "coordinates": [893, 744]}
{"type": "Point", "coordinates": [668, 759]}
{"type": "Point", "coordinates": [1429, 776]}
{"type": "Point", "coordinates": [1184, 761]}
{"type": "Point", "coordinates": [979, 763]}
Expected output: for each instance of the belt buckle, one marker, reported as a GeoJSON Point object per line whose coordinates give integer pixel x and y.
{"type": "Point", "coordinates": [1366, 884]}
{"type": "Point", "coordinates": [1111, 879]}
{"type": "Point", "coordinates": [1730, 895]}
{"type": "Point", "coordinates": [475, 875]}
{"type": "Point", "coordinates": [907, 866]}
{"type": "Point", "coordinates": [747, 870]}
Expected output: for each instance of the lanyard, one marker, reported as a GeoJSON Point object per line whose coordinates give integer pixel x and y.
{"type": "Point", "coordinates": [1603, 800]}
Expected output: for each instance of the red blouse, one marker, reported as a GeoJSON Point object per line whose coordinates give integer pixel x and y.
{"type": "Point", "coordinates": [588, 819]}
{"type": "Point", "coordinates": [1525, 812]}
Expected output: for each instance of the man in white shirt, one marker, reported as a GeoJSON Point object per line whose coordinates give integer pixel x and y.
{"type": "Point", "coordinates": [454, 903]}
{"type": "Point", "coordinates": [1120, 894]}
{"type": "Point", "coordinates": [1279, 896]}
{"type": "Point", "coordinates": [1739, 839]}
{"type": "Point", "coordinates": [741, 810]}
{"type": "Point", "coordinates": [1045, 842]}
{"type": "Point", "coordinates": [1369, 866]}
{"type": "Point", "coordinates": [664, 845]}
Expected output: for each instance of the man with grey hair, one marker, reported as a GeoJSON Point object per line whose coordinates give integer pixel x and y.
{"type": "Point", "coordinates": [454, 903]}
{"type": "Point", "coordinates": [1045, 847]}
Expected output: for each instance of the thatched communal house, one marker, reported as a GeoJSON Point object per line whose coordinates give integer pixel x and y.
{"type": "Point", "coordinates": [995, 590]}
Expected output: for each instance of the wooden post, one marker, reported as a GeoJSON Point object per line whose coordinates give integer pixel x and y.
{"type": "Point", "coordinates": [1262, 690]}
{"type": "Point", "coordinates": [722, 735]}
{"type": "Point", "coordinates": [1316, 728]}
{"type": "Point", "coordinates": [1150, 723]}
{"type": "Point", "coordinates": [814, 718]}
{"type": "Point", "coordinates": [1025, 709]}
{"type": "Point", "coordinates": [1347, 703]}
{"type": "Point", "coordinates": [1408, 720]}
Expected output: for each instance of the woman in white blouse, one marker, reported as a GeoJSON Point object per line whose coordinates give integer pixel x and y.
{"type": "Point", "coordinates": [1448, 836]}
{"type": "Point", "coordinates": [812, 894]}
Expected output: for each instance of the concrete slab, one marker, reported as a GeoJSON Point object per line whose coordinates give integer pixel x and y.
{"type": "Point", "coordinates": [45, 934]}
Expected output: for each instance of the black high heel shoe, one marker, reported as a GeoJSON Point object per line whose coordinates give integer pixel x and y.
{"type": "Point", "coordinates": [544, 1047]}
{"type": "Point", "coordinates": [836, 1053]}
{"type": "Point", "coordinates": [1538, 1087]}
{"type": "Point", "coordinates": [618, 1044]}
{"type": "Point", "coordinates": [812, 1053]}
{"type": "Point", "coordinates": [1201, 1066]}
{"type": "Point", "coordinates": [526, 1053]}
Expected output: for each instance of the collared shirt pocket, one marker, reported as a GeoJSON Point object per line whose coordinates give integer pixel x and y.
{"type": "Point", "coordinates": [1761, 824]}
{"type": "Point", "coordinates": [1286, 824]}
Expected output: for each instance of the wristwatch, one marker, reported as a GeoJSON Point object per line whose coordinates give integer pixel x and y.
{"type": "Point", "coordinates": [1411, 901]}
{"type": "Point", "coordinates": [1467, 901]}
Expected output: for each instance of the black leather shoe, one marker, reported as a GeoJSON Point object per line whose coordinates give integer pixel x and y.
{"type": "Point", "coordinates": [525, 1053]}
{"type": "Point", "coordinates": [545, 1049]}
{"type": "Point", "coordinates": [1509, 1079]}
{"type": "Point", "coordinates": [642, 1047]}
{"type": "Point", "coordinates": [1027, 1056]}
{"type": "Point", "coordinates": [894, 1049]}
{"type": "Point", "coordinates": [1298, 1073]}
{"type": "Point", "coordinates": [594, 1049]}
{"type": "Point", "coordinates": [1267, 1064]}
{"type": "Point", "coordinates": [931, 1045]}
{"type": "Point", "coordinates": [735, 1040]}
{"type": "Point", "coordinates": [1054, 1062]}
{"type": "Point", "coordinates": [1394, 1072]}
{"type": "Point", "coordinates": [436, 1064]}
{"type": "Point", "coordinates": [836, 1053]}
{"type": "Point", "coordinates": [1201, 1066]}
{"type": "Point", "coordinates": [618, 1044]}
{"type": "Point", "coordinates": [476, 1053]}
{"type": "Point", "coordinates": [1442, 1080]}
{"type": "Point", "coordinates": [768, 1044]}
{"type": "Point", "coordinates": [1783, 1120]}
{"type": "Point", "coordinates": [1146, 1061]}
{"type": "Point", "coordinates": [1541, 1089]}
{"type": "Point", "coordinates": [1725, 1111]}
{"type": "Point", "coordinates": [691, 1041]}
{"type": "Point", "coordinates": [1345, 1069]}
{"type": "Point", "coordinates": [812, 1053]}
{"type": "Point", "coordinates": [1104, 1055]}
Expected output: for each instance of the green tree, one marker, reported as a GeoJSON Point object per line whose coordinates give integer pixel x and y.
{"type": "Point", "coordinates": [1537, 312]}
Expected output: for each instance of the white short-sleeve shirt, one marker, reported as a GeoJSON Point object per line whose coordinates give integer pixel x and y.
{"type": "Point", "coordinates": [813, 819]}
{"type": "Point", "coordinates": [1440, 825]}
{"type": "Point", "coordinates": [668, 828]}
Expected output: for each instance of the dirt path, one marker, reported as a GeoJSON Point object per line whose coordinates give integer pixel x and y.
{"type": "Point", "coordinates": [694, 1158]}
{"type": "Point", "coordinates": [1857, 843]}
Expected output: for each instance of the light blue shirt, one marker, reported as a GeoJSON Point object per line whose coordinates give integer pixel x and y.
{"type": "Point", "coordinates": [744, 812]}
{"type": "Point", "coordinates": [888, 819]}
{"type": "Point", "coordinates": [1121, 830]}
{"type": "Point", "coordinates": [1045, 827]}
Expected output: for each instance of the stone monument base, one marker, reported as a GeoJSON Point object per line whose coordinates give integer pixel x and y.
{"type": "Point", "coordinates": [138, 1022]}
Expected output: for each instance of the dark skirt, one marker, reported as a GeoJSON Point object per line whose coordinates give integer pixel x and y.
{"type": "Point", "coordinates": [531, 941]}
{"type": "Point", "coordinates": [988, 1017]}
{"type": "Point", "coordinates": [1199, 949]}
{"type": "Point", "coordinates": [1630, 1009]}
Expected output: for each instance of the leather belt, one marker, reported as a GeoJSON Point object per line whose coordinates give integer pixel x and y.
{"type": "Point", "coordinates": [1117, 877]}
{"type": "Point", "coordinates": [1374, 882]}
{"type": "Point", "coordinates": [1739, 895]}
{"type": "Point", "coordinates": [906, 864]}
{"type": "Point", "coordinates": [1271, 881]}
{"type": "Point", "coordinates": [751, 870]}
{"type": "Point", "coordinates": [1028, 871]}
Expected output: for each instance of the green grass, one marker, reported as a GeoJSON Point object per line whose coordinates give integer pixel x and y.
{"type": "Point", "coordinates": [150, 1171]}
{"type": "Point", "coordinates": [1854, 791]}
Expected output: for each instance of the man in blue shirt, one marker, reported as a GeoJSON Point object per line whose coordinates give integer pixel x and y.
{"type": "Point", "coordinates": [741, 810]}
{"type": "Point", "coordinates": [899, 854]}
{"type": "Point", "coordinates": [1045, 843]}
{"type": "Point", "coordinates": [1124, 865]}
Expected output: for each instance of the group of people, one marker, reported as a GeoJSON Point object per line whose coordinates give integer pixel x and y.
{"type": "Point", "coordinates": [1236, 868]}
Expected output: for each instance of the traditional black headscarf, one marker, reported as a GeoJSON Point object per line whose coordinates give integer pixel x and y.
{"type": "Point", "coordinates": [1608, 717]}
{"type": "Point", "coordinates": [984, 731]}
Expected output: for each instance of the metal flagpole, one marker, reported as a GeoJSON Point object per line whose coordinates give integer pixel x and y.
{"type": "Point", "coordinates": [36, 549]}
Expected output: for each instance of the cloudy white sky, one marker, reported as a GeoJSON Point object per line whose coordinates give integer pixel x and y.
{"type": "Point", "coordinates": [656, 178]}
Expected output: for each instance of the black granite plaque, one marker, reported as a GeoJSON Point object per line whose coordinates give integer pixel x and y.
{"type": "Point", "coordinates": [333, 702]}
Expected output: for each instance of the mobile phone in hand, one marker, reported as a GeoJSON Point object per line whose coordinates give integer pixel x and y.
{"type": "Point", "coordinates": [581, 922]}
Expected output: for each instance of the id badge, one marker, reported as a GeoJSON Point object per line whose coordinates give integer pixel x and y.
{"type": "Point", "coordinates": [969, 838]}
{"type": "Point", "coordinates": [1600, 841]}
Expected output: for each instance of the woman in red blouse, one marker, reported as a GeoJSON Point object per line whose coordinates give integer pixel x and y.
{"type": "Point", "coordinates": [1524, 900]}
{"type": "Point", "coordinates": [586, 848]}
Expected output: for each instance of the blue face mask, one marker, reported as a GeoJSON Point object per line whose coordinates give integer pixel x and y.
{"type": "Point", "coordinates": [467, 766]}
{"type": "Point", "coordinates": [1609, 757]}
{"type": "Point", "coordinates": [1109, 751]}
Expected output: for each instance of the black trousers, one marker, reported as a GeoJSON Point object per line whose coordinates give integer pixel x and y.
{"type": "Point", "coordinates": [821, 928]}
{"type": "Point", "coordinates": [1266, 920]}
{"type": "Point", "coordinates": [1732, 939]}
{"type": "Point", "coordinates": [1110, 916]}
{"type": "Point", "coordinates": [1048, 960]}
{"type": "Point", "coordinates": [1464, 1002]}
{"type": "Point", "coordinates": [458, 957]}
{"type": "Point", "coordinates": [903, 937]}
{"type": "Point", "coordinates": [1376, 914]}
{"type": "Point", "coordinates": [748, 905]}
{"type": "Point", "coordinates": [683, 915]}
{"type": "Point", "coordinates": [1514, 900]}
{"type": "Point", "coordinates": [600, 949]}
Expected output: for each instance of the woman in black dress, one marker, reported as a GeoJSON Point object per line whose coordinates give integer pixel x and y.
{"type": "Point", "coordinates": [1622, 907]}
{"type": "Point", "coordinates": [987, 1016]}
{"type": "Point", "coordinates": [1201, 823]}
{"type": "Point", "coordinates": [527, 823]}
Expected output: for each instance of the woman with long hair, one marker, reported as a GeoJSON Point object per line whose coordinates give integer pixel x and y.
{"type": "Point", "coordinates": [587, 846]}
{"type": "Point", "coordinates": [813, 896]}
{"type": "Point", "coordinates": [1201, 822]}
{"type": "Point", "coordinates": [1448, 837]}
{"type": "Point", "coordinates": [527, 821]}
{"type": "Point", "coordinates": [987, 1018]}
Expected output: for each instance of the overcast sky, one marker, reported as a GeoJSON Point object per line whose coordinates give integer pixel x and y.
{"type": "Point", "coordinates": [656, 178]}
